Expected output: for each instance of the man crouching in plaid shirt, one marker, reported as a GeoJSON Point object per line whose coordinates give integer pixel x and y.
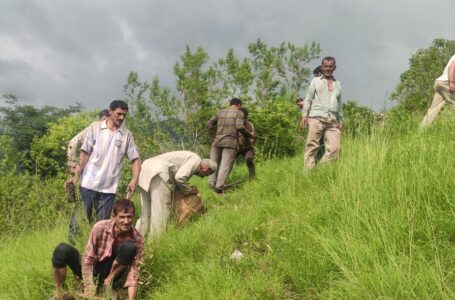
{"type": "Point", "coordinates": [113, 247]}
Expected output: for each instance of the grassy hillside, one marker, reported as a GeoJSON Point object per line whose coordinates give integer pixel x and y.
{"type": "Point", "coordinates": [378, 223]}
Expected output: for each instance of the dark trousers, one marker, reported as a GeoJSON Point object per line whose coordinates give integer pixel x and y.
{"type": "Point", "coordinates": [248, 153]}
{"type": "Point", "coordinates": [102, 202]}
{"type": "Point", "coordinates": [66, 255]}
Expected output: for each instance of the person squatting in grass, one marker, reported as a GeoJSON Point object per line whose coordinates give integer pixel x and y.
{"type": "Point", "coordinates": [246, 148]}
{"type": "Point", "coordinates": [113, 248]}
{"type": "Point", "coordinates": [444, 92]}
{"type": "Point", "coordinates": [100, 162]}
{"type": "Point", "coordinates": [228, 123]}
{"type": "Point", "coordinates": [322, 113]}
{"type": "Point", "coordinates": [159, 177]}
{"type": "Point", "coordinates": [74, 146]}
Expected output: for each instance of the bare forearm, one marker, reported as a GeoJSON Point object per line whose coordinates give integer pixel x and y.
{"type": "Point", "coordinates": [136, 169]}
{"type": "Point", "coordinates": [83, 158]}
{"type": "Point", "coordinates": [132, 290]}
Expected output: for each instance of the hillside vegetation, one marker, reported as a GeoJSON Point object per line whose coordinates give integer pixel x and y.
{"type": "Point", "coordinates": [378, 223]}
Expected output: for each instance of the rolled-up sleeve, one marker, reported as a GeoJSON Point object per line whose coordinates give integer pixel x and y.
{"type": "Point", "coordinates": [90, 139]}
{"type": "Point", "coordinates": [131, 149]}
{"type": "Point", "coordinates": [74, 144]}
{"type": "Point", "coordinates": [340, 105]}
{"type": "Point", "coordinates": [309, 99]}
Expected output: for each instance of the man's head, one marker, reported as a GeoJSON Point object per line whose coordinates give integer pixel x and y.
{"type": "Point", "coordinates": [104, 114]}
{"type": "Point", "coordinates": [245, 112]}
{"type": "Point", "coordinates": [317, 71]}
{"type": "Point", "coordinates": [299, 102]}
{"type": "Point", "coordinates": [328, 66]}
{"type": "Point", "coordinates": [123, 214]}
{"type": "Point", "coordinates": [117, 112]}
{"type": "Point", "coordinates": [235, 103]}
{"type": "Point", "coordinates": [207, 167]}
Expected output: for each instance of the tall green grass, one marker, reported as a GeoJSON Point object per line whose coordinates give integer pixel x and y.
{"type": "Point", "coordinates": [378, 223]}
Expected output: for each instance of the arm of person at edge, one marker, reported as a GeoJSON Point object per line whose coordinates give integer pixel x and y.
{"type": "Point", "coordinates": [451, 76]}
{"type": "Point", "coordinates": [340, 112]}
{"type": "Point", "coordinates": [210, 125]}
{"type": "Point", "coordinates": [307, 102]}
{"type": "Point", "coordinates": [135, 169]}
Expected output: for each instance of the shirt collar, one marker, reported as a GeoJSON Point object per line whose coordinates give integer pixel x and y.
{"type": "Point", "coordinates": [323, 78]}
{"type": "Point", "coordinates": [104, 126]}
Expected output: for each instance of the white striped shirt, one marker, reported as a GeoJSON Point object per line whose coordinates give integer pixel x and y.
{"type": "Point", "coordinates": [106, 149]}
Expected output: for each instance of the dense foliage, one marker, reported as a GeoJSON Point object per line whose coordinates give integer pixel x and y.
{"type": "Point", "coordinates": [415, 90]}
{"type": "Point", "coordinates": [376, 224]}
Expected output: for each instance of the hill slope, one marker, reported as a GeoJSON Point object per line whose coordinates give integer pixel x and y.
{"type": "Point", "coordinates": [378, 223]}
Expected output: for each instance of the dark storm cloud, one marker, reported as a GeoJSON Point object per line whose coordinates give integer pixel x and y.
{"type": "Point", "coordinates": [60, 52]}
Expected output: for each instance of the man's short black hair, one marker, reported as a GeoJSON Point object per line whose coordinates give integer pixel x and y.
{"type": "Point", "coordinates": [123, 205]}
{"type": "Point", "coordinates": [118, 104]}
{"type": "Point", "coordinates": [235, 101]}
{"type": "Point", "coordinates": [104, 113]}
{"type": "Point", "coordinates": [298, 100]}
{"type": "Point", "coordinates": [317, 71]}
{"type": "Point", "coordinates": [328, 58]}
{"type": "Point", "coordinates": [245, 112]}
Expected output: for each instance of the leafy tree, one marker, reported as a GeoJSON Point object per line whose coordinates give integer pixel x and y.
{"type": "Point", "coordinates": [25, 122]}
{"type": "Point", "coordinates": [236, 76]}
{"type": "Point", "coordinates": [358, 120]}
{"type": "Point", "coordinates": [415, 90]}
{"type": "Point", "coordinates": [198, 104]}
{"type": "Point", "coordinates": [49, 152]}
{"type": "Point", "coordinates": [276, 124]}
{"type": "Point", "coordinates": [280, 70]}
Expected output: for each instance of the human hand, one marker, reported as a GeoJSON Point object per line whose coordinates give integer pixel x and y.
{"type": "Point", "coordinates": [452, 86]}
{"type": "Point", "coordinates": [340, 125]}
{"type": "Point", "coordinates": [303, 122]}
{"type": "Point", "coordinates": [130, 189]}
{"type": "Point", "coordinates": [194, 190]}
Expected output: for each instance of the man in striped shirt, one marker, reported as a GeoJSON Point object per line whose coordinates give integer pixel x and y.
{"type": "Point", "coordinates": [100, 161]}
{"type": "Point", "coordinates": [113, 247]}
{"type": "Point", "coordinates": [229, 122]}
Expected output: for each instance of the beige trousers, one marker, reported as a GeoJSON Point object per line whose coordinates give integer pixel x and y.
{"type": "Point", "coordinates": [441, 97]}
{"type": "Point", "coordinates": [155, 208]}
{"type": "Point", "coordinates": [225, 158]}
{"type": "Point", "coordinates": [319, 128]}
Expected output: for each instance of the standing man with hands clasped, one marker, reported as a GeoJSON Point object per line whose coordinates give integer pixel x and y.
{"type": "Point", "coordinates": [100, 162]}
{"type": "Point", "coordinates": [322, 113]}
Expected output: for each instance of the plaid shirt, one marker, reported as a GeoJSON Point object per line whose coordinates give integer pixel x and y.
{"type": "Point", "coordinates": [99, 248]}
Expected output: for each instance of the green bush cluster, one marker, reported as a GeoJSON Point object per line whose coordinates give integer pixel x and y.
{"type": "Point", "coordinates": [30, 203]}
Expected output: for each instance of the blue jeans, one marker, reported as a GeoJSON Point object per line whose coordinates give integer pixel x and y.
{"type": "Point", "coordinates": [102, 202]}
{"type": "Point", "coordinates": [103, 207]}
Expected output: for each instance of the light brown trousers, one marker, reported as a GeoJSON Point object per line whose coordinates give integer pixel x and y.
{"type": "Point", "coordinates": [319, 128]}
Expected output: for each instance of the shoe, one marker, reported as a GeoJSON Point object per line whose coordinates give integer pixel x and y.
{"type": "Point", "coordinates": [217, 190]}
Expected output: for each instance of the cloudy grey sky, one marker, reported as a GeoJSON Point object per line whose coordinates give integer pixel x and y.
{"type": "Point", "coordinates": [62, 52]}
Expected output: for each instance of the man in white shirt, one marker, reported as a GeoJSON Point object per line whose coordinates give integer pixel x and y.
{"type": "Point", "coordinates": [160, 176]}
{"type": "Point", "coordinates": [444, 92]}
{"type": "Point", "coordinates": [100, 162]}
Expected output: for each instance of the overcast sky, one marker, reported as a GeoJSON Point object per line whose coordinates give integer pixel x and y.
{"type": "Point", "coordinates": [62, 52]}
